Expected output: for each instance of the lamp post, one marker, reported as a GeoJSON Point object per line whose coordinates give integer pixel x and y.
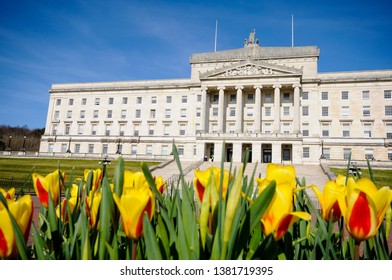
{"type": "Point", "coordinates": [24, 143]}
{"type": "Point", "coordinates": [9, 142]}
{"type": "Point", "coordinates": [322, 150]}
{"type": "Point", "coordinates": [104, 163]}
{"type": "Point", "coordinates": [69, 146]}
{"type": "Point", "coordinates": [118, 147]}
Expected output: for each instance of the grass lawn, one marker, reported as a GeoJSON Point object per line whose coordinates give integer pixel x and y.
{"type": "Point", "coordinates": [20, 168]}
{"type": "Point", "coordinates": [381, 177]}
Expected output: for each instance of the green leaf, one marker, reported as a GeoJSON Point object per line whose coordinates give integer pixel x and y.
{"type": "Point", "coordinates": [119, 177]}
{"type": "Point", "coordinates": [105, 215]}
{"type": "Point", "coordinates": [39, 245]}
{"type": "Point", "coordinates": [152, 247]}
{"type": "Point", "coordinates": [261, 204]}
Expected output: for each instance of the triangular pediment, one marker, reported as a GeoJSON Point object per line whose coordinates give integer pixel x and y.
{"type": "Point", "coordinates": [251, 68]}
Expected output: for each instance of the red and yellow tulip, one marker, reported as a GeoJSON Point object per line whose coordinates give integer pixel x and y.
{"type": "Point", "coordinates": [365, 207]}
{"type": "Point", "coordinates": [161, 185]}
{"type": "Point", "coordinates": [97, 177]}
{"type": "Point", "coordinates": [279, 216]}
{"type": "Point", "coordinates": [93, 201]}
{"type": "Point", "coordinates": [202, 177]}
{"type": "Point", "coordinates": [70, 202]}
{"type": "Point", "coordinates": [333, 194]}
{"type": "Point", "coordinates": [22, 211]}
{"type": "Point", "coordinates": [132, 205]}
{"type": "Point", "coordinates": [52, 183]}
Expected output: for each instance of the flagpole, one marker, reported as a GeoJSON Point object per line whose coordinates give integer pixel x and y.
{"type": "Point", "coordinates": [216, 34]}
{"type": "Point", "coordinates": [292, 30]}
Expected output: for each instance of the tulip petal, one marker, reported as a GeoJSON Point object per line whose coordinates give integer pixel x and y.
{"type": "Point", "coordinates": [287, 221]}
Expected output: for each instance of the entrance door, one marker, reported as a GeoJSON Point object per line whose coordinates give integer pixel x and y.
{"type": "Point", "coordinates": [267, 155]}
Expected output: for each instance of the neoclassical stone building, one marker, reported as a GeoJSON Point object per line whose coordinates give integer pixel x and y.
{"type": "Point", "coordinates": [271, 100]}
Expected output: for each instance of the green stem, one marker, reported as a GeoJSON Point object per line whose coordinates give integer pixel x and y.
{"type": "Point", "coordinates": [356, 250]}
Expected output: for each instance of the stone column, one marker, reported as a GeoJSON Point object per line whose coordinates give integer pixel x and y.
{"type": "Point", "coordinates": [203, 116]}
{"type": "Point", "coordinates": [258, 108]}
{"type": "Point", "coordinates": [238, 110]}
{"type": "Point", "coordinates": [277, 108]}
{"type": "Point", "coordinates": [296, 126]}
{"type": "Point", "coordinates": [221, 109]}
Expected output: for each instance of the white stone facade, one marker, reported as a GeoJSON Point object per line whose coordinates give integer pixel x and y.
{"type": "Point", "coordinates": [271, 100]}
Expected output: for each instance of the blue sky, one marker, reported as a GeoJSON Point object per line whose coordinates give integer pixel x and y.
{"type": "Point", "coordinates": [45, 42]}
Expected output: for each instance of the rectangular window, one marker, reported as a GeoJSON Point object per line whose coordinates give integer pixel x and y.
{"type": "Point", "coordinates": [324, 95]}
{"type": "Point", "coordinates": [286, 128]}
{"type": "Point", "coordinates": [51, 148]}
{"type": "Point", "coordinates": [133, 149]}
{"type": "Point", "coordinates": [123, 114]}
{"type": "Point", "coordinates": [58, 102]}
{"type": "Point", "coordinates": [233, 98]}
{"type": "Point", "coordinates": [344, 95]}
{"type": "Point", "coordinates": [388, 128]}
{"type": "Point", "coordinates": [286, 111]}
{"type": "Point", "coordinates": [365, 95]}
{"type": "Point", "coordinates": [324, 111]}
{"type": "Point", "coordinates": [268, 98]}
{"type": "Point", "coordinates": [346, 153]}
{"type": "Point", "coordinates": [90, 148]}
{"type": "Point", "coordinates": [327, 153]}
{"type": "Point", "coordinates": [249, 111]}
{"type": "Point", "coordinates": [107, 129]}
{"type": "Point", "coordinates": [286, 97]}
{"type": "Point", "coordinates": [182, 129]}
{"type": "Point", "coordinates": [232, 112]}
{"type": "Point", "coordinates": [63, 148]}
{"type": "Point", "coordinates": [149, 150]}
{"type": "Point", "coordinates": [388, 110]}
{"type": "Point", "coordinates": [305, 129]}
{"type": "Point", "coordinates": [198, 98]}
{"type": "Point", "coordinates": [95, 114]}
{"type": "Point", "coordinates": [54, 129]}
{"type": "Point", "coordinates": [184, 99]}
{"type": "Point", "coordinates": [152, 114]}
{"type": "Point", "coordinates": [166, 129]}
{"type": "Point", "coordinates": [366, 111]}
{"type": "Point", "coordinates": [125, 100]}
{"type": "Point", "coordinates": [97, 101]}
{"type": "Point", "coordinates": [345, 111]}
{"type": "Point", "coordinates": [305, 152]}
{"type": "Point", "coordinates": [215, 98]}
{"type": "Point", "coordinates": [165, 150]}
{"type": "Point", "coordinates": [267, 111]}
{"type": "Point", "coordinates": [70, 101]}
{"type": "Point", "coordinates": [67, 129]}
{"type": "Point", "coordinates": [139, 100]}
{"type": "Point", "coordinates": [183, 113]}
{"type": "Point", "coordinates": [249, 127]}
{"type": "Point", "coordinates": [168, 99]}
{"type": "Point", "coordinates": [136, 130]}
{"type": "Point", "coordinates": [122, 130]}
{"type": "Point", "coordinates": [94, 129]}
{"type": "Point", "coordinates": [56, 115]}
{"type": "Point", "coordinates": [167, 113]}
{"type": "Point", "coordinates": [231, 128]}
{"type": "Point", "coordinates": [105, 149]}
{"type": "Point", "coordinates": [151, 129]}
{"type": "Point", "coordinates": [389, 154]}
{"type": "Point", "coordinates": [305, 95]}
{"type": "Point", "coordinates": [346, 130]}
{"type": "Point", "coordinates": [214, 128]}
{"type": "Point", "coordinates": [267, 128]}
{"type": "Point", "coordinates": [387, 94]}
{"type": "Point", "coordinates": [181, 150]}
{"type": "Point", "coordinates": [84, 101]}
{"type": "Point", "coordinates": [110, 113]}
{"type": "Point", "coordinates": [215, 112]}
{"type": "Point", "coordinates": [77, 148]}
{"type": "Point", "coordinates": [82, 114]}
{"type": "Point", "coordinates": [369, 154]}
{"type": "Point", "coordinates": [325, 130]}
{"type": "Point", "coordinates": [111, 100]}
{"type": "Point", "coordinates": [250, 97]}
{"type": "Point", "coordinates": [305, 110]}
{"type": "Point", "coordinates": [138, 113]}
{"type": "Point", "coordinates": [367, 130]}
{"type": "Point", "coordinates": [198, 112]}
{"type": "Point", "coordinates": [80, 128]}
{"type": "Point", "coordinates": [69, 114]}
{"type": "Point", "coordinates": [153, 99]}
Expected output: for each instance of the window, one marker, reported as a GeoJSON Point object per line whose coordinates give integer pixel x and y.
{"type": "Point", "coordinates": [90, 148]}
{"type": "Point", "coordinates": [181, 150]}
{"type": "Point", "coordinates": [305, 129]}
{"type": "Point", "coordinates": [325, 129]}
{"type": "Point", "coordinates": [152, 114]}
{"type": "Point", "coordinates": [138, 113]}
{"type": "Point", "coordinates": [107, 129]}
{"type": "Point", "coordinates": [123, 114]}
{"type": "Point", "coordinates": [198, 112]}
{"type": "Point", "coordinates": [286, 128]}
{"type": "Point", "coordinates": [80, 128]}
{"type": "Point", "coordinates": [365, 95]}
{"type": "Point", "coordinates": [198, 98]}
{"type": "Point", "coordinates": [95, 114]}
{"type": "Point", "coordinates": [249, 127]}
{"type": "Point", "coordinates": [122, 130]}
{"type": "Point", "coordinates": [366, 111]}
{"type": "Point", "coordinates": [232, 112]}
{"type": "Point", "coordinates": [233, 98]}
{"type": "Point", "coordinates": [56, 115]}
{"type": "Point", "coordinates": [327, 153]}
{"type": "Point", "coordinates": [151, 129]}
{"type": "Point", "coordinates": [305, 152]}
{"type": "Point", "coordinates": [168, 99]}
{"type": "Point", "coordinates": [166, 129]}
{"type": "Point", "coordinates": [97, 101]}
{"type": "Point", "coordinates": [149, 150]}
{"type": "Point", "coordinates": [346, 153]}
{"type": "Point", "coordinates": [82, 114]}
{"type": "Point", "coordinates": [346, 130]}
{"type": "Point", "coordinates": [182, 129]}
{"type": "Point", "coordinates": [184, 99]}
{"type": "Point", "coordinates": [367, 130]}
{"type": "Point", "coordinates": [109, 114]}
{"type": "Point", "coordinates": [324, 95]}
{"type": "Point", "coordinates": [344, 95]}
{"type": "Point", "coordinates": [286, 97]}
{"type": "Point", "coordinates": [267, 128]}
{"type": "Point", "coordinates": [231, 128]}
{"type": "Point", "coordinates": [305, 110]}
{"type": "Point", "coordinates": [51, 148]}
{"type": "Point", "coordinates": [67, 129]}
{"type": "Point", "coordinates": [111, 100]}
{"type": "Point", "coordinates": [139, 100]}
{"type": "Point", "coordinates": [389, 154]}
{"type": "Point", "coordinates": [153, 99]}
{"type": "Point", "coordinates": [249, 111]}
{"type": "Point", "coordinates": [94, 129]}
{"type": "Point", "coordinates": [58, 102]}
{"type": "Point", "coordinates": [70, 101]}
{"type": "Point", "coordinates": [105, 149]}
{"type": "Point", "coordinates": [133, 149]}
{"type": "Point", "coordinates": [69, 114]}
{"type": "Point", "coordinates": [268, 98]}
{"type": "Point", "coordinates": [286, 111]}
{"type": "Point", "coordinates": [125, 100]}
{"type": "Point", "coordinates": [387, 94]}
{"type": "Point", "coordinates": [388, 128]}
{"type": "Point", "coordinates": [369, 154]}
{"type": "Point", "coordinates": [215, 112]}
{"type": "Point", "coordinates": [250, 97]}
{"type": "Point", "coordinates": [54, 129]}
{"type": "Point", "coordinates": [388, 110]}
{"type": "Point", "coordinates": [345, 111]}
{"type": "Point", "coordinates": [136, 130]}
{"type": "Point", "coordinates": [215, 98]}
{"type": "Point", "coordinates": [63, 148]}
{"type": "Point", "coordinates": [214, 128]}
{"type": "Point", "coordinates": [77, 148]}
{"type": "Point", "coordinates": [84, 101]}
{"type": "Point", "coordinates": [183, 113]}
{"type": "Point", "coordinates": [165, 150]}
{"type": "Point", "coordinates": [267, 111]}
{"type": "Point", "coordinates": [167, 113]}
{"type": "Point", "coordinates": [305, 95]}
{"type": "Point", "coordinates": [324, 111]}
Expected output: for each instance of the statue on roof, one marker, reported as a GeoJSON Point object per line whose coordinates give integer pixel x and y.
{"type": "Point", "coordinates": [251, 40]}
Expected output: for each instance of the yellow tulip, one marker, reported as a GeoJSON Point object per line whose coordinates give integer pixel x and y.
{"type": "Point", "coordinates": [51, 183]}
{"type": "Point", "coordinates": [202, 177]}
{"type": "Point", "coordinates": [134, 180]}
{"type": "Point", "coordinates": [97, 177]}
{"type": "Point", "coordinates": [10, 194]}
{"type": "Point", "coordinates": [281, 174]}
{"type": "Point", "coordinates": [22, 211]}
{"type": "Point", "coordinates": [132, 206]}
{"type": "Point", "coordinates": [93, 201]}
{"type": "Point", "coordinates": [161, 185]}
{"type": "Point", "coordinates": [73, 199]}
{"type": "Point", "coordinates": [365, 207]}
{"type": "Point", "coordinates": [333, 194]}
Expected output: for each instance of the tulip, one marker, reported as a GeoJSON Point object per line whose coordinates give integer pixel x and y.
{"type": "Point", "coordinates": [22, 211]}
{"type": "Point", "coordinates": [329, 200]}
{"type": "Point", "coordinates": [134, 180]}
{"type": "Point", "coordinates": [10, 194]}
{"type": "Point", "coordinates": [132, 206]}
{"type": "Point", "coordinates": [202, 177]}
{"type": "Point", "coordinates": [52, 183]}
{"type": "Point", "coordinates": [93, 201]}
{"type": "Point", "coordinates": [365, 208]}
{"type": "Point", "coordinates": [71, 202]}
{"type": "Point", "coordinates": [161, 185]}
{"type": "Point", "coordinates": [97, 177]}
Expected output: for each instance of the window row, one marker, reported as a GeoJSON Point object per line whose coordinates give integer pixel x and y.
{"type": "Point", "coordinates": [345, 95]}
{"type": "Point", "coordinates": [326, 152]}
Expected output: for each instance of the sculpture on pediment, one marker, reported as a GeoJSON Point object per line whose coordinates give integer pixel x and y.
{"type": "Point", "coordinates": [251, 40]}
{"type": "Point", "coordinates": [249, 70]}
